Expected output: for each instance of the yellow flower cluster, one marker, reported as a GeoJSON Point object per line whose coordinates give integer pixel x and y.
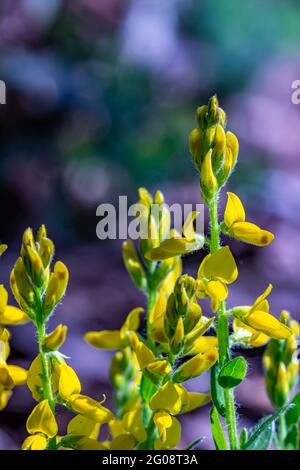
{"type": "Point", "coordinates": [152, 364]}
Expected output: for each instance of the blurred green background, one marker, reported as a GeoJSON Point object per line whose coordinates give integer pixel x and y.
{"type": "Point", "coordinates": [101, 97]}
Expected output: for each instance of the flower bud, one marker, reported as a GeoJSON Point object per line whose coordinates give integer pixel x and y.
{"type": "Point", "coordinates": [178, 338]}
{"type": "Point", "coordinates": [46, 251]}
{"type": "Point", "coordinates": [282, 385]}
{"type": "Point", "coordinates": [22, 283]}
{"type": "Point", "coordinates": [36, 268]}
{"type": "Point", "coordinates": [133, 265]}
{"type": "Point", "coordinates": [57, 286]}
{"type": "Point", "coordinates": [208, 181]}
{"type": "Point", "coordinates": [196, 366]}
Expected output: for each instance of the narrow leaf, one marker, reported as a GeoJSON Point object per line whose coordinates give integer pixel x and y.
{"type": "Point", "coordinates": [254, 442]}
{"type": "Point", "coordinates": [233, 372]}
{"type": "Point", "coordinates": [217, 431]}
{"type": "Point", "coordinates": [217, 392]}
{"type": "Point", "coordinates": [195, 443]}
{"type": "Point", "coordinates": [293, 414]}
{"type": "Point", "coordinates": [263, 439]}
{"type": "Point", "coordinates": [291, 441]}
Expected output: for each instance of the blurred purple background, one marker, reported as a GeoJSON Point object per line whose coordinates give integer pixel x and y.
{"type": "Point", "coordinates": [101, 97]}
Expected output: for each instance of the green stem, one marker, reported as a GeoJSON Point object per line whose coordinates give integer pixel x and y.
{"type": "Point", "coordinates": [46, 374]}
{"type": "Point", "coordinates": [223, 329]}
{"type": "Point", "coordinates": [282, 431]}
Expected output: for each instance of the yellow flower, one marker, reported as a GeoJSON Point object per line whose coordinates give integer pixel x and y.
{"type": "Point", "coordinates": [90, 408]}
{"type": "Point", "coordinates": [215, 272]}
{"type": "Point", "coordinates": [178, 245]}
{"type": "Point", "coordinates": [248, 335]}
{"type": "Point", "coordinates": [237, 227]}
{"type": "Point", "coordinates": [133, 422]}
{"type": "Point", "coordinates": [115, 339]}
{"type": "Point", "coordinates": [10, 315]}
{"type": "Point", "coordinates": [10, 375]}
{"type": "Point", "coordinates": [35, 442]}
{"type": "Point", "coordinates": [259, 319]}
{"type": "Point", "coordinates": [42, 420]}
{"type": "Point", "coordinates": [169, 430]}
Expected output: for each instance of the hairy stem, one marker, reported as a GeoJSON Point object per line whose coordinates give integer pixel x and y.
{"type": "Point", "coordinates": [46, 374]}
{"type": "Point", "coordinates": [222, 329]}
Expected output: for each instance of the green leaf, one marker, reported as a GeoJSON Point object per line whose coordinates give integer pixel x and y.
{"type": "Point", "coordinates": [263, 439]}
{"type": "Point", "coordinates": [194, 444]}
{"type": "Point", "coordinates": [293, 414]}
{"type": "Point", "coordinates": [147, 389]}
{"type": "Point", "coordinates": [233, 372]}
{"type": "Point", "coordinates": [261, 435]}
{"type": "Point", "coordinates": [217, 430]}
{"type": "Point", "coordinates": [291, 442]}
{"type": "Point", "coordinates": [217, 392]}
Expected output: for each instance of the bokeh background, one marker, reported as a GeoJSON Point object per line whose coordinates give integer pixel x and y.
{"type": "Point", "coordinates": [101, 97]}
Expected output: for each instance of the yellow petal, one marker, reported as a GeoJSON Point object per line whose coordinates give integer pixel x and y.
{"type": "Point", "coordinates": [168, 397]}
{"type": "Point", "coordinates": [144, 355]}
{"type": "Point", "coordinates": [196, 366]}
{"type": "Point", "coordinates": [194, 400]}
{"type": "Point", "coordinates": [172, 437]}
{"type": "Point", "coordinates": [132, 322]}
{"type": "Point", "coordinates": [133, 423]}
{"type": "Point", "coordinates": [106, 339]}
{"type": "Point", "coordinates": [267, 324]}
{"type": "Point", "coordinates": [219, 265]}
{"type": "Point", "coordinates": [203, 344]}
{"type": "Point", "coordinates": [35, 442]}
{"type": "Point", "coordinates": [188, 227]}
{"type": "Point", "coordinates": [4, 396]}
{"type": "Point", "coordinates": [173, 247]}
{"type": "Point", "coordinates": [42, 420]}
{"type": "Point", "coordinates": [157, 318]}
{"type": "Point", "coordinates": [13, 316]}
{"type": "Point", "coordinates": [3, 299]}
{"type": "Point", "coordinates": [163, 421]}
{"type": "Point", "coordinates": [90, 408]}
{"type": "Point", "coordinates": [18, 374]}
{"type": "Point", "coordinates": [5, 377]}
{"type": "Point", "coordinates": [251, 233]}
{"type": "Point", "coordinates": [83, 426]}
{"type": "Point", "coordinates": [56, 338]}
{"type": "Point", "coordinates": [68, 382]}
{"type": "Point", "coordinates": [234, 211]}
{"type": "Point", "coordinates": [233, 143]}
{"type": "Point", "coordinates": [259, 302]}
{"type": "Point", "coordinates": [217, 291]}
{"type": "Point", "coordinates": [123, 441]}
{"type": "Point", "coordinates": [86, 443]}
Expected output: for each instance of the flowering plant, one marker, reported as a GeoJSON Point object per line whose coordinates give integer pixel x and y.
{"type": "Point", "coordinates": [151, 365]}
